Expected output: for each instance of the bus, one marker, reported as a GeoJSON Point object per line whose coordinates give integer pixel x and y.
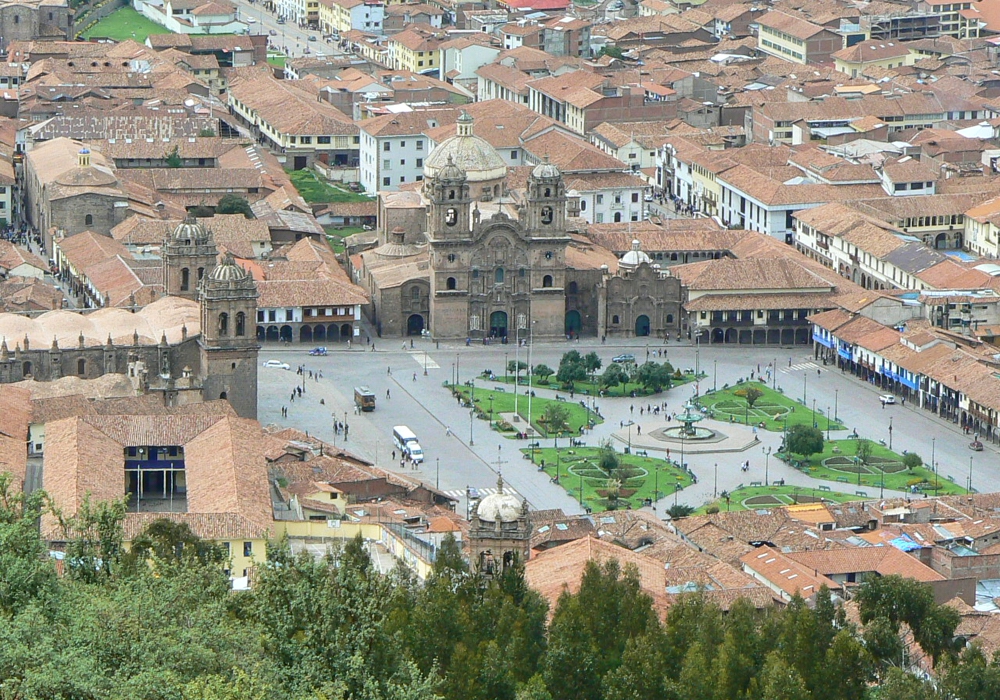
{"type": "Point", "coordinates": [406, 441]}
{"type": "Point", "coordinates": [364, 398]}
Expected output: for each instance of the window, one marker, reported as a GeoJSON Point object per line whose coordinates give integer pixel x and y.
{"type": "Point", "coordinates": [88, 220]}
{"type": "Point", "coordinates": [241, 324]}
{"type": "Point", "coordinates": [306, 139]}
{"type": "Point", "coordinates": [322, 139]}
{"type": "Point", "coordinates": [420, 162]}
{"type": "Point", "coordinates": [498, 275]}
{"type": "Point", "coordinates": [201, 273]}
{"type": "Point", "coordinates": [81, 367]}
{"type": "Point", "coordinates": [451, 283]}
{"type": "Point", "coordinates": [451, 217]}
{"type": "Point", "coordinates": [386, 164]}
{"type": "Point", "coordinates": [223, 324]}
{"type": "Point", "coordinates": [635, 197]}
{"type": "Point", "coordinates": [248, 549]}
{"type": "Point", "coordinates": [451, 257]}
{"type": "Point", "coordinates": [583, 205]}
{"type": "Point", "coordinates": [402, 178]}
{"type": "Point", "coordinates": [402, 144]}
{"type": "Point", "coordinates": [414, 292]}
{"type": "Point", "coordinates": [386, 181]}
{"type": "Point", "coordinates": [260, 317]}
{"type": "Point", "coordinates": [420, 144]}
{"type": "Point", "coordinates": [402, 161]}
{"type": "Point", "coordinates": [574, 288]}
{"type": "Point", "coordinates": [513, 155]}
{"type": "Point", "coordinates": [185, 279]}
{"type": "Point", "coordinates": [600, 199]}
{"type": "Point", "coordinates": [386, 147]}
{"type": "Point", "coordinates": [475, 274]}
{"type": "Point", "coordinates": [614, 319]}
{"type": "Point", "coordinates": [547, 281]}
{"type": "Point", "coordinates": [289, 314]}
{"type": "Point", "coordinates": [548, 254]}
{"type": "Point", "coordinates": [272, 316]}
{"type": "Point", "coordinates": [26, 369]}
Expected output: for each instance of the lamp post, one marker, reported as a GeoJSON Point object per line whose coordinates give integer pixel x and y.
{"type": "Point", "coordinates": [530, 343]}
{"type": "Point", "coordinates": [505, 360]}
{"type": "Point", "coordinates": [491, 409]}
{"type": "Point", "coordinates": [656, 483]}
{"type": "Point", "coordinates": [425, 362]}
{"type": "Point", "coordinates": [970, 474]}
{"type": "Point", "coordinates": [814, 413]}
{"type": "Point", "coordinates": [457, 369]}
{"type": "Point", "coordinates": [581, 486]}
{"type": "Point", "coordinates": [715, 484]}
{"type": "Point", "coordinates": [345, 426]}
{"type": "Point", "coordinates": [836, 402]}
{"type": "Point", "coordinates": [934, 464]}
{"type": "Point", "coordinates": [774, 375]}
{"type": "Point", "coordinates": [517, 358]}
{"type": "Point", "coordinates": [881, 483]}
{"type": "Point", "coordinates": [472, 409]}
{"type": "Point", "coordinates": [629, 426]}
{"type": "Point", "coordinates": [828, 423]}
{"type": "Point", "coordinates": [805, 383]}
{"type": "Point", "coordinates": [437, 473]}
{"type": "Point", "coordinates": [890, 432]}
{"type": "Point", "coordinates": [767, 460]}
{"type": "Point", "coordinates": [715, 375]}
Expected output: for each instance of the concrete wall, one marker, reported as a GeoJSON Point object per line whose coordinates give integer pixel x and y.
{"type": "Point", "coordinates": [951, 566]}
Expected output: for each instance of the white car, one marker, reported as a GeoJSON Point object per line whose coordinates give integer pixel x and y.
{"type": "Point", "coordinates": [250, 20]}
{"type": "Point", "coordinates": [278, 364]}
{"type": "Point", "coordinates": [887, 398]}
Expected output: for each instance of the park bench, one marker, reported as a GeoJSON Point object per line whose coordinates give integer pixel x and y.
{"type": "Point", "coordinates": [842, 479]}
{"type": "Point", "coordinates": [560, 398]}
{"type": "Point", "coordinates": [861, 493]}
{"type": "Point", "coordinates": [823, 488]}
{"type": "Point", "coordinates": [756, 483]}
{"type": "Point", "coordinates": [499, 388]}
{"type": "Point", "coordinates": [641, 453]}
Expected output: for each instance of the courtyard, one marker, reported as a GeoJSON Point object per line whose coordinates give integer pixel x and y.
{"type": "Point", "coordinates": [773, 410]}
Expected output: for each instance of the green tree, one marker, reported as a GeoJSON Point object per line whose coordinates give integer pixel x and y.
{"type": "Point", "coordinates": [26, 573]}
{"type": "Point", "coordinates": [515, 368]}
{"type": "Point", "coordinates": [173, 158]}
{"type": "Point", "coordinates": [234, 204]}
{"type": "Point", "coordinates": [613, 51]}
{"type": "Point", "coordinates": [556, 418]}
{"type": "Point", "coordinates": [899, 685]}
{"type": "Point", "coordinates": [592, 363]}
{"type": "Point", "coordinates": [804, 440]}
{"type": "Point", "coordinates": [571, 369]}
{"type": "Point", "coordinates": [911, 460]}
{"type": "Point", "coordinates": [751, 394]}
{"type": "Point", "coordinates": [608, 459]}
{"type": "Point", "coordinates": [863, 450]}
{"type": "Point", "coordinates": [681, 510]}
{"type": "Point", "coordinates": [206, 133]}
{"type": "Point", "coordinates": [543, 372]}
{"type": "Point", "coordinates": [779, 681]}
{"type": "Point", "coordinates": [614, 375]}
{"type": "Point", "coordinates": [654, 377]}
{"type": "Point", "coordinates": [94, 538]}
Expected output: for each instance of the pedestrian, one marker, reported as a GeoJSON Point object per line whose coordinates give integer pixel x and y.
{"type": "Point", "coordinates": [388, 370]}
{"type": "Point", "coordinates": [447, 431]}
{"type": "Point", "coordinates": [373, 347]}
{"type": "Point", "coordinates": [817, 371]}
{"type": "Point", "coordinates": [404, 345]}
{"type": "Point", "coordinates": [631, 409]}
{"type": "Point", "coordinates": [638, 430]}
{"type": "Point", "coordinates": [394, 455]}
{"type": "Point", "coordinates": [322, 402]}
{"type": "Point", "coordinates": [293, 397]}
{"type": "Point", "coordinates": [411, 343]}
{"type": "Point", "coordinates": [414, 376]}
{"type": "Point", "coordinates": [348, 343]}
{"type": "Point", "coordinates": [387, 394]}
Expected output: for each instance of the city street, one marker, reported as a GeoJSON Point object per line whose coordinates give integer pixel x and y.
{"type": "Point", "coordinates": [460, 452]}
{"type": "Point", "coordinates": [289, 38]}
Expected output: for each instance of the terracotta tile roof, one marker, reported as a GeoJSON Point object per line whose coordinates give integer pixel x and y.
{"type": "Point", "coordinates": [785, 573]}
{"type": "Point", "coordinates": [87, 248]}
{"type": "Point", "coordinates": [794, 26]}
{"type": "Point", "coordinates": [749, 274]}
{"type": "Point", "coordinates": [14, 421]}
{"type": "Point", "coordinates": [561, 569]}
{"type": "Point", "coordinates": [570, 154]}
{"type": "Point", "coordinates": [12, 256]}
{"type": "Point", "coordinates": [749, 302]}
{"type": "Point", "coordinates": [883, 560]}
{"type": "Point", "coordinates": [288, 109]}
{"type": "Point", "coordinates": [292, 293]}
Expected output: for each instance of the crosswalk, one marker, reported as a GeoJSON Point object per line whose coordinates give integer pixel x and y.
{"type": "Point", "coordinates": [424, 360]}
{"type": "Point", "coordinates": [799, 367]}
{"type": "Point", "coordinates": [483, 493]}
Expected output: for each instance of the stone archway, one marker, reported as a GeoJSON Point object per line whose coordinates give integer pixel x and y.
{"type": "Point", "coordinates": [498, 324]}
{"type": "Point", "coordinates": [573, 322]}
{"type": "Point", "coordinates": [345, 332]}
{"type": "Point", "coordinates": [319, 333]}
{"type": "Point", "coordinates": [642, 326]}
{"type": "Point", "coordinates": [414, 324]}
{"type": "Point", "coordinates": [272, 334]}
{"type": "Point", "coordinates": [286, 333]}
{"type": "Point", "coordinates": [305, 334]}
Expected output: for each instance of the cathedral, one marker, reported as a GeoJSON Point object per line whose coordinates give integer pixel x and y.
{"type": "Point", "coordinates": [469, 255]}
{"type": "Point", "coordinates": [198, 343]}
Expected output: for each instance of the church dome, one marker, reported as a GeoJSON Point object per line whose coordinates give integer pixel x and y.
{"type": "Point", "coordinates": [228, 271]}
{"type": "Point", "coordinates": [474, 156]}
{"type": "Point", "coordinates": [546, 171]}
{"type": "Point", "coordinates": [87, 176]}
{"type": "Point", "coordinates": [451, 172]}
{"type": "Point", "coordinates": [500, 507]}
{"type": "Point", "coordinates": [634, 257]}
{"type": "Point", "coordinates": [190, 230]}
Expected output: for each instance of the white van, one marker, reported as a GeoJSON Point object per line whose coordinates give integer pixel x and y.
{"type": "Point", "coordinates": [406, 441]}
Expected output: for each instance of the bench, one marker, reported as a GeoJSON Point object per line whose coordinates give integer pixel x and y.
{"type": "Point", "coordinates": [560, 398]}
{"type": "Point", "coordinates": [861, 493]}
{"type": "Point", "coordinates": [756, 483]}
{"type": "Point", "coordinates": [843, 479]}
{"type": "Point", "coordinates": [823, 488]}
{"type": "Point", "coordinates": [499, 388]}
{"type": "Point", "coordinates": [641, 453]}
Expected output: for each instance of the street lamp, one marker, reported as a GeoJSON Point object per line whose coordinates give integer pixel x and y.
{"type": "Point", "coordinates": [437, 474]}
{"type": "Point", "coordinates": [491, 409]}
{"type": "Point", "coordinates": [629, 426]}
{"type": "Point", "coordinates": [505, 361]}
{"type": "Point", "coordinates": [774, 376]}
{"type": "Point", "coordinates": [814, 413]}
{"type": "Point", "coordinates": [656, 483]}
{"type": "Point", "coordinates": [805, 383]}
{"type": "Point", "coordinates": [715, 485]}
{"type": "Point", "coordinates": [836, 411]}
{"type": "Point", "coordinates": [890, 432]}
{"type": "Point", "coordinates": [425, 362]}
{"type": "Point", "coordinates": [828, 423]}
{"type": "Point", "coordinates": [767, 460]}
{"type": "Point", "coordinates": [934, 465]}
{"type": "Point", "coordinates": [970, 474]}
{"type": "Point", "coordinates": [472, 409]}
{"type": "Point", "coordinates": [715, 375]}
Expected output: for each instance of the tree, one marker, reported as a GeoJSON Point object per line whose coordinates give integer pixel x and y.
{"type": "Point", "coordinates": [751, 394]}
{"type": "Point", "coordinates": [556, 418]}
{"type": "Point", "coordinates": [911, 460]}
{"type": "Point", "coordinates": [864, 450]}
{"type": "Point", "coordinates": [543, 372]}
{"type": "Point", "coordinates": [234, 204]}
{"type": "Point", "coordinates": [516, 368]}
{"type": "Point", "coordinates": [613, 376]}
{"type": "Point", "coordinates": [804, 440]}
{"type": "Point", "coordinates": [173, 158]}
{"type": "Point", "coordinates": [95, 539]}
{"type": "Point", "coordinates": [571, 369]}
{"type": "Point", "coordinates": [592, 363]}
{"type": "Point", "coordinates": [206, 133]}
{"type": "Point", "coordinates": [26, 574]}
{"type": "Point", "coordinates": [779, 681]}
{"type": "Point", "coordinates": [613, 51]}
{"type": "Point", "coordinates": [681, 510]}
{"type": "Point", "coordinates": [608, 459]}
{"type": "Point", "coordinates": [654, 377]}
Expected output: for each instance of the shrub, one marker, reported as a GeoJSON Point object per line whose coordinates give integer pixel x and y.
{"type": "Point", "coordinates": [712, 510]}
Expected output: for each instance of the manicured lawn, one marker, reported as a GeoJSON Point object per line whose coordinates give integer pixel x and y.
{"type": "Point", "coordinates": [503, 402]}
{"type": "Point", "coordinates": [316, 192]}
{"type": "Point", "coordinates": [591, 388]}
{"type": "Point", "coordinates": [885, 467]}
{"type": "Point", "coordinates": [124, 24]}
{"type": "Point", "coordinates": [758, 497]}
{"type": "Point", "coordinates": [577, 467]}
{"type": "Point", "coordinates": [335, 235]}
{"type": "Point", "coordinates": [276, 59]}
{"type": "Point", "coordinates": [772, 409]}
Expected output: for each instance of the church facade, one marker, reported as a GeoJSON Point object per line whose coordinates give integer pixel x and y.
{"type": "Point", "coordinates": [485, 268]}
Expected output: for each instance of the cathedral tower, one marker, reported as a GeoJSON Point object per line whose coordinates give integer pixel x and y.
{"type": "Point", "coordinates": [228, 343]}
{"type": "Point", "coordinates": [500, 533]}
{"type": "Point", "coordinates": [188, 255]}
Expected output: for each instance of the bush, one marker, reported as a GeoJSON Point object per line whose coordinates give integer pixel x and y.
{"type": "Point", "coordinates": [915, 482]}
{"type": "Point", "coordinates": [712, 510]}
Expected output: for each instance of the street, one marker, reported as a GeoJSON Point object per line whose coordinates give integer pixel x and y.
{"type": "Point", "coordinates": [288, 38]}
{"type": "Point", "coordinates": [460, 452]}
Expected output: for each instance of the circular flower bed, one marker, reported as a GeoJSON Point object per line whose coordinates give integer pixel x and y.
{"type": "Point", "coordinates": [763, 501]}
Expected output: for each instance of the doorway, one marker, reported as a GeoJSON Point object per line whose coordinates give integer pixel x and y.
{"type": "Point", "coordinates": [498, 324]}
{"type": "Point", "coordinates": [414, 324]}
{"type": "Point", "coordinates": [642, 326]}
{"type": "Point", "coordinates": [573, 322]}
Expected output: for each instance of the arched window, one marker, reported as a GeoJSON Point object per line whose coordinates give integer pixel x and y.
{"type": "Point", "coordinates": [26, 369]}
{"type": "Point", "coordinates": [17, 20]}
{"type": "Point", "coordinates": [614, 319]}
{"type": "Point", "coordinates": [673, 257]}
{"type": "Point", "coordinates": [451, 217]}
{"type": "Point", "coordinates": [618, 217]}
{"type": "Point", "coordinates": [498, 275]}
{"type": "Point", "coordinates": [583, 205]}
{"type": "Point", "coordinates": [81, 367]}
{"type": "Point", "coordinates": [546, 215]}
{"type": "Point", "coordinates": [574, 288]}
{"type": "Point", "coordinates": [451, 194]}
{"type": "Point", "coordinates": [185, 279]}
{"type": "Point", "coordinates": [450, 283]}
{"type": "Point", "coordinates": [475, 274]}
{"type": "Point", "coordinates": [547, 281]}
{"type": "Point", "coordinates": [223, 324]}
{"type": "Point", "coordinates": [88, 220]}
{"type": "Point", "coordinates": [201, 273]}
{"type": "Point", "coordinates": [415, 292]}
{"type": "Point", "coordinates": [548, 192]}
{"type": "Point", "coordinates": [223, 395]}
{"type": "Point", "coordinates": [241, 324]}
{"type": "Point", "coordinates": [670, 318]}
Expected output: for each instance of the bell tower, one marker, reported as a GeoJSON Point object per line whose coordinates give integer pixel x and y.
{"type": "Point", "coordinates": [545, 213]}
{"type": "Point", "coordinates": [189, 253]}
{"type": "Point", "coordinates": [499, 533]}
{"type": "Point", "coordinates": [450, 211]}
{"type": "Point", "coordinates": [228, 343]}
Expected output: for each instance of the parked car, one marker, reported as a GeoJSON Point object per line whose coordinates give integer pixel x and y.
{"type": "Point", "coordinates": [312, 37]}
{"type": "Point", "coordinates": [318, 351]}
{"type": "Point", "coordinates": [887, 398]}
{"type": "Point", "coordinates": [276, 364]}
{"type": "Point", "coordinates": [250, 20]}
{"type": "Point", "coordinates": [273, 32]}
{"type": "Point", "coordinates": [621, 359]}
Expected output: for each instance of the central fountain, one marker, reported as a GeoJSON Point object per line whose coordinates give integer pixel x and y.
{"type": "Point", "coordinates": [687, 430]}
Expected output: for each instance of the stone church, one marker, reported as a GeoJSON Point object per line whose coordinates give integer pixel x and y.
{"type": "Point", "coordinates": [199, 343]}
{"type": "Point", "coordinates": [490, 260]}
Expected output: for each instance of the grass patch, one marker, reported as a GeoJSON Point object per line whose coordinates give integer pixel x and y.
{"type": "Point", "coordinates": [885, 468]}
{"type": "Point", "coordinates": [756, 497]}
{"type": "Point", "coordinates": [772, 409]}
{"type": "Point", "coordinates": [316, 192]}
{"type": "Point", "coordinates": [124, 24]}
{"type": "Point", "coordinates": [335, 235]}
{"type": "Point", "coordinates": [277, 59]}
{"type": "Point", "coordinates": [503, 402]}
{"type": "Point", "coordinates": [641, 477]}
{"type": "Point", "coordinates": [589, 388]}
